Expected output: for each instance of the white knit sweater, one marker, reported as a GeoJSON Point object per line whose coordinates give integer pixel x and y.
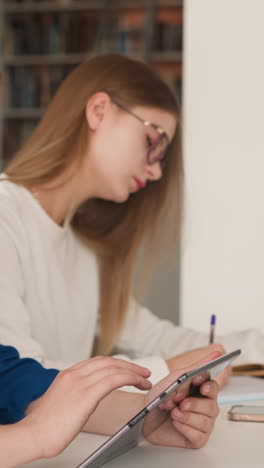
{"type": "Point", "coordinates": [49, 296]}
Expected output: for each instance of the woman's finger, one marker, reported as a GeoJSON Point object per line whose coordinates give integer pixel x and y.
{"type": "Point", "coordinates": [89, 366]}
{"type": "Point", "coordinates": [223, 378]}
{"type": "Point", "coordinates": [193, 437]}
{"type": "Point", "coordinates": [200, 406]}
{"type": "Point", "coordinates": [207, 406]}
{"type": "Point", "coordinates": [210, 389]}
{"type": "Point", "coordinates": [201, 422]}
{"type": "Point", "coordinates": [130, 378]}
{"type": "Point", "coordinates": [173, 400]}
{"type": "Point", "coordinates": [112, 382]}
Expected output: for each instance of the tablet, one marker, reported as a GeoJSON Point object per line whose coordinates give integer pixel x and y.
{"type": "Point", "coordinates": [151, 417]}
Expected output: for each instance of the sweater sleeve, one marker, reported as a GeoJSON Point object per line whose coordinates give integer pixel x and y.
{"type": "Point", "coordinates": [147, 337]}
{"type": "Point", "coordinates": [22, 380]}
{"type": "Point", "coordinates": [15, 326]}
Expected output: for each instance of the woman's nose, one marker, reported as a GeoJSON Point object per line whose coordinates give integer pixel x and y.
{"type": "Point", "coordinates": [154, 171]}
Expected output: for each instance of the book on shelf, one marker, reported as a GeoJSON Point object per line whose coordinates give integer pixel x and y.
{"type": "Point", "coordinates": [59, 2]}
{"type": "Point", "coordinates": [41, 46]}
{"type": "Point", "coordinates": [15, 132]}
{"type": "Point", "coordinates": [122, 32]}
{"type": "Point", "coordinates": [33, 86]}
{"type": "Point", "coordinates": [49, 33]}
{"type": "Point", "coordinates": [130, 32]}
{"type": "Point", "coordinates": [168, 30]}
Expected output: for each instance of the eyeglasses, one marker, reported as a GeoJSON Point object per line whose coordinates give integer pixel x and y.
{"type": "Point", "coordinates": [156, 145]}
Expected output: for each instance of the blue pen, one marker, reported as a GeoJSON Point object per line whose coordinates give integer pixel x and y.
{"type": "Point", "coordinates": [212, 328]}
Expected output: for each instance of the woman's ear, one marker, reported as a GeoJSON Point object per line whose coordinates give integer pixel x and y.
{"type": "Point", "coordinates": [96, 109]}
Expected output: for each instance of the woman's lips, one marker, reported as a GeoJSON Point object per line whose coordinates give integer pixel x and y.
{"type": "Point", "coordinates": [139, 184]}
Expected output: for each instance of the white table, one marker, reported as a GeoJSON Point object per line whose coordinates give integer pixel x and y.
{"type": "Point", "coordinates": [232, 445]}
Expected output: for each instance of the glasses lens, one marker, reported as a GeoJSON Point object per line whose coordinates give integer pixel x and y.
{"type": "Point", "coordinates": [158, 150]}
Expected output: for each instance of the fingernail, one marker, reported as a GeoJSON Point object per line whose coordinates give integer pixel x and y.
{"type": "Point", "coordinates": [149, 383]}
{"type": "Point", "coordinates": [206, 388]}
{"type": "Point", "coordinates": [186, 405]}
{"type": "Point", "coordinates": [198, 379]}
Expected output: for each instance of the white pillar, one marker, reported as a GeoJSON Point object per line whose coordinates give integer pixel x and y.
{"type": "Point", "coordinates": [222, 267]}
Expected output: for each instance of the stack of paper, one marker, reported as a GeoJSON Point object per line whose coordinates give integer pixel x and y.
{"type": "Point", "coordinates": [241, 389]}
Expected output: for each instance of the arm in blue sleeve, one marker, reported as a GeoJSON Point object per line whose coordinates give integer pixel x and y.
{"type": "Point", "coordinates": [21, 381]}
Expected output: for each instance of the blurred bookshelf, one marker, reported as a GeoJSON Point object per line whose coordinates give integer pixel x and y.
{"type": "Point", "coordinates": [41, 41]}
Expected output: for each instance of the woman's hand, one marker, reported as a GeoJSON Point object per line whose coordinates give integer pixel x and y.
{"type": "Point", "coordinates": [189, 357]}
{"type": "Point", "coordinates": [59, 415]}
{"type": "Point", "coordinates": [191, 423]}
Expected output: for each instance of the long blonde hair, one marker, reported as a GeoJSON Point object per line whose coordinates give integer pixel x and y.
{"type": "Point", "coordinates": [114, 231]}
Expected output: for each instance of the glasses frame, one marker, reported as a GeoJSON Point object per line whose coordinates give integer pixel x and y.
{"type": "Point", "coordinates": [160, 131]}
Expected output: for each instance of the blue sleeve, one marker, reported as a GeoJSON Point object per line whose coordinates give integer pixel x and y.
{"type": "Point", "coordinates": [22, 380]}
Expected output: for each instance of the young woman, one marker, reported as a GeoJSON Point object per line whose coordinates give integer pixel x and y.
{"type": "Point", "coordinates": [80, 389]}
{"type": "Point", "coordinates": [100, 175]}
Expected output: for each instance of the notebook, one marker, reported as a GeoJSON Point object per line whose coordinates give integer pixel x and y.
{"type": "Point", "coordinates": [241, 389]}
{"type": "Point", "coordinates": [254, 369]}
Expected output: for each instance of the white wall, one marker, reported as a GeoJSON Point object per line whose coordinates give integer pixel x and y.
{"type": "Point", "coordinates": [163, 294]}
{"type": "Point", "coordinates": [222, 268]}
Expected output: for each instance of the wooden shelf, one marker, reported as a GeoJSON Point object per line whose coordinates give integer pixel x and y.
{"type": "Point", "coordinates": [29, 6]}
{"type": "Point", "coordinates": [23, 113]}
{"type": "Point", "coordinates": [44, 72]}
{"type": "Point", "coordinates": [48, 59]}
